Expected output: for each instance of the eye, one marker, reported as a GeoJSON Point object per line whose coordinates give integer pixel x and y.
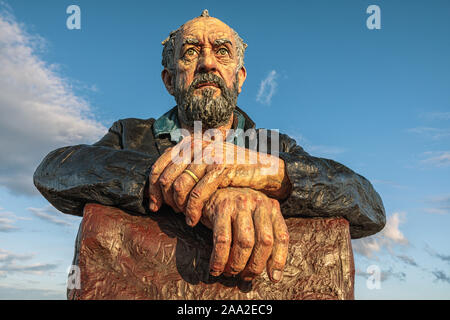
{"type": "Point", "coordinates": [190, 52]}
{"type": "Point", "coordinates": [222, 51]}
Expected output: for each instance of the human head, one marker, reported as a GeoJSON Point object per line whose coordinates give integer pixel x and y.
{"type": "Point", "coordinates": [204, 70]}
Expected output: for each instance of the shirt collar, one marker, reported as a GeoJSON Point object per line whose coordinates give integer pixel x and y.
{"type": "Point", "coordinates": [168, 124]}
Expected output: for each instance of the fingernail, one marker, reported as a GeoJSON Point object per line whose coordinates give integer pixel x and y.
{"type": "Point", "coordinates": [188, 221]}
{"type": "Point", "coordinates": [152, 207]}
{"type": "Point", "coordinates": [276, 275]}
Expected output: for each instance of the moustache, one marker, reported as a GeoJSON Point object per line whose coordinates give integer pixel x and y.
{"type": "Point", "coordinates": [208, 79]}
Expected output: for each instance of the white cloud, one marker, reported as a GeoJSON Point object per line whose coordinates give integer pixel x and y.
{"type": "Point", "coordinates": [50, 214]}
{"type": "Point", "coordinates": [7, 220]}
{"type": "Point", "coordinates": [439, 205]}
{"type": "Point", "coordinates": [24, 292]}
{"type": "Point", "coordinates": [389, 237]}
{"type": "Point", "coordinates": [8, 257]}
{"type": "Point", "coordinates": [384, 275]}
{"type": "Point", "coordinates": [9, 263]}
{"type": "Point", "coordinates": [437, 159]}
{"type": "Point", "coordinates": [430, 132]}
{"type": "Point", "coordinates": [40, 112]}
{"type": "Point", "coordinates": [267, 88]}
{"type": "Point", "coordinates": [436, 115]}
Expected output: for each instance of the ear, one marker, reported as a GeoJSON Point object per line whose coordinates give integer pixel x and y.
{"type": "Point", "coordinates": [166, 77]}
{"type": "Point", "coordinates": [242, 75]}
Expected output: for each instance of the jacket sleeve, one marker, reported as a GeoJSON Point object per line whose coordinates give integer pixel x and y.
{"type": "Point", "coordinates": [104, 173]}
{"type": "Point", "coordinates": [325, 188]}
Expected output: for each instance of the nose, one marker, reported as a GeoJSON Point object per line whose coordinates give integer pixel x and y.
{"type": "Point", "coordinates": [206, 62]}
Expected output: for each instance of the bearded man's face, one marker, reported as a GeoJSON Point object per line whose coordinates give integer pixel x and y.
{"type": "Point", "coordinates": [207, 80]}
{"type": "Point", "coordinates": [212, 111]}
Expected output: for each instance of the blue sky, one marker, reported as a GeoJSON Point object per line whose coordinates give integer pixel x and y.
{"type": "Point", "coordinates": [377, 101]}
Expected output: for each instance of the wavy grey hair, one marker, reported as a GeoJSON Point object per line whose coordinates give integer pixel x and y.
{"type": "Point", "coordinates": [168, 54]}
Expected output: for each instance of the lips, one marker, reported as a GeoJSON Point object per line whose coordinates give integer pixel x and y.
{"type": "Point", "coordinates": [206, 84]}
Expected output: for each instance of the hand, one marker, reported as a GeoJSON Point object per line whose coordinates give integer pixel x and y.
{"type": "Point", "coordinates": [249, 234]}
{"type": "Point", "coordinates": [216, 165]}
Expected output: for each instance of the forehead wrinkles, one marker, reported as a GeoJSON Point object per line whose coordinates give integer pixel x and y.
{"type": "Point", "coordinates": [206, 32]}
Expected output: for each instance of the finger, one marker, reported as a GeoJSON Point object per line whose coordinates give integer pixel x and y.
{"type": "Point", "coordinates": [201, 193]}
{"type": "Point", "coordinates": [243, 238]}
{"type": "Point", "coordinates": [155, 194]}
{"type": "Point", "coordinates": [277, 260]}
{"type": "Point", "coordinates": [184, 184]}
{"type": "Point", "coordinates": [154, 190]}
{"type": "Point", "coordinates": [263, 239]}
{"type": "Point", "coordinates": [202, 159]}
{"type": "Point", "coordinates": [221, 237]}
{"type": "Point", "coordinates": [166, 181]}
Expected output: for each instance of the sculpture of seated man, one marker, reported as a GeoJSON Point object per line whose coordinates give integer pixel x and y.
{"type": "Point", "coordinates": [241, 190]}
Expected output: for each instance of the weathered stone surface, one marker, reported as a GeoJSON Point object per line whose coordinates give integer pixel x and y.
{"type": "Point", "coordinates": [122, 256]}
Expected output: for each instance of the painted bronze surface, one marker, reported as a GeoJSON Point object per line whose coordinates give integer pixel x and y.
{"type": "Point", "coordinates": [114, 171]}
{"type": "Point", "coordinates": [123, 256]}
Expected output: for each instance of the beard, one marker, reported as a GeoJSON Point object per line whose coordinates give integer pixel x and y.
{"type": "Point", "coordinates": [212, 112]}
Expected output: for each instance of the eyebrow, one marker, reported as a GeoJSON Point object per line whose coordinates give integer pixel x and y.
{"type": "Point", "coordinates": [220, 42]}
{"type": "Point", "coordinates": [191, 41]}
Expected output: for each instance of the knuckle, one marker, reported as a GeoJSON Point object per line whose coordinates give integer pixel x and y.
{"type": "Point", "coordinates": [195, 194]}
{"type": "Point", "coordinates": [255, 268]}
{"type": "Point", "coordinates": [266, 239]}
{"type": "Point", "coordinates": [178, 186]}
{"type": "Point", "coordinates": [246, 242]}
{"type": "Point", "coordinates": [163, 181]}
{"type": "Point", "coordinates": [222, 239]}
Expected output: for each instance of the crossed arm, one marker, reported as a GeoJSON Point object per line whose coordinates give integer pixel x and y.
{"type": "Point", "coordinates": [112, 172]}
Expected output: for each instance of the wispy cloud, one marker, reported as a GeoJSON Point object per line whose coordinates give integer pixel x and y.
{"type": "Point", "coordinates": [389, 237]}
{"type": "Point", "coordinates": [385, 274]}
{"type": "Point", "coordinates": [430, 132]}
{"type": "Point", "coordinates": [267, 88]}
{"type": "Point", "coordinates": [407, 260]}
{"type": "Point", "coordinates": [50, 214]}
{"type": "Point", "coordinates": [12, 263]}
{"type": "Point", "coordinates": [436, 115]}
{"type": "Point", "coordinates": [9, 257]}
{"type": "Point", "coordinates": [7, 220]}
{"type": "Point", "coordinates": [6, 224]}
{"type": "Point", "coordinates": [440, 205]}
{"type": "Point", "coordinates": [39, 108]}
{"type": "Point", "coordinates": [433, 253]}
{"type": "Point", "coordinates": [441, 276]}
{"type": "Point", "coordinates": [10, 292]}
{"type": "Point", "coordinates": [436, 158]}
